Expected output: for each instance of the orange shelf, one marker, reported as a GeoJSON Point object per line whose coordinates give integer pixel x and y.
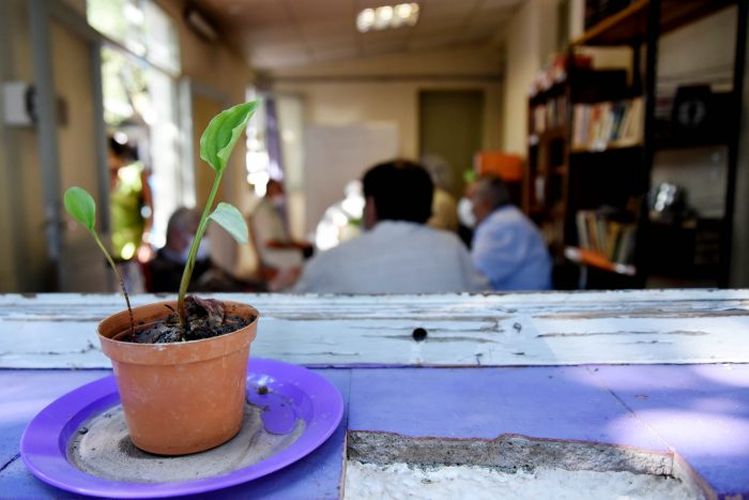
{"type": "Point", "coordinates": [595, 259]}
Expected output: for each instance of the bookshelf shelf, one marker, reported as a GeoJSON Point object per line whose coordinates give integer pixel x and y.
{"type": "Point", "coordinates": [594, 259]}
{"type": "Point", "coordinates": [629, 26]}
{"type": "Point", "coordinates": [611, 148]}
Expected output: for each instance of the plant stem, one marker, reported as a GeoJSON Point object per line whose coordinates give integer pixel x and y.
{"type": "Point", "coordinates": [119, 277]}
{"type": "Point", "coordinates": [190, 264]}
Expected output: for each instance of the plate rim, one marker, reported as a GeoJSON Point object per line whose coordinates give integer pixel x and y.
{"type": "Point", "coordinates": [49, 463]}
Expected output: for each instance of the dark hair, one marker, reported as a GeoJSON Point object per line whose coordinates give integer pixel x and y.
{"type": "Point", "coordinates": [401, 190]}
{"type": "Point", "coordinates": [124, 151]}
{"type": "Point", "coordinates": [493, 190]}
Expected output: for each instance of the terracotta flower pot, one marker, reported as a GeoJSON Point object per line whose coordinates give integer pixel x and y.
{"type": "Point", "coordinates": [181, 397]}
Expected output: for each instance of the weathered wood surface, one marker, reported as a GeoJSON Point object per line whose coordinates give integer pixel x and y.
{"type": "Point", "coordinates": [669, 326]}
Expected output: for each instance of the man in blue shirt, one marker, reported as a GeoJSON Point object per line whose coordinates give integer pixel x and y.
{"type": "Point", "coordinates": [507, 247]}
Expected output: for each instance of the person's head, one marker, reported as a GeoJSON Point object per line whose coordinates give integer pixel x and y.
{"type": "Point", "coordinates": [488, 194]}
{"type": "Point", "coordinates": [439, 170]}
{"type": "Point", "coordinates": [275, 193]}
{"type": "Point", "coordinates": [274, 188]}
{"type": "Point", "coordinates": [181, 229]}
{"type": "Point", "coordinates": [397, 190]}
{"type": "Point", "coordinates": [121, 153]}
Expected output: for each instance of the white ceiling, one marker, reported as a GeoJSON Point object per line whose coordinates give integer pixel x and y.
{"type": "Point", "coordinates": [282, 33]}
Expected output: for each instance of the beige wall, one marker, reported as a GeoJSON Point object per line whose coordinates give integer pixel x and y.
{"type": "Point", "coordinates": [82, 267]}
{"type": "Point", "coordinates": [22, 248]}
{"type": "Point", "coordinates": [530, 39]}
{"type": "Point", "coordinates": [342, 103]}
{"type": "Point", "coordinates": [386, 89]}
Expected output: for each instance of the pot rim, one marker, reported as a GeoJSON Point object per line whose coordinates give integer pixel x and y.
{"type": "Point", "coordinates": [172, 345]}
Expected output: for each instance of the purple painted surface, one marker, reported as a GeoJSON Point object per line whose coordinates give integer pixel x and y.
{"type": "Point", "coordinates": [546, 402]}
{"type": "Point", "coordinates": [23, 394]}
{"type": "Point", "coordinates": [701, 411]}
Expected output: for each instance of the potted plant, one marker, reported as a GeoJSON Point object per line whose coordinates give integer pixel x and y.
{"type": "Point", "coordinates": [181, 365]}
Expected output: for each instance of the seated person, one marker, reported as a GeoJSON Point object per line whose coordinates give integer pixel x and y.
{"type": "Point", "coordinates": [269, 232]}
{"type": "Point", "coordinates": [507, 247]}
{"type": "Point", "coordinates": [165, 270]}
{"type": "Point", "coordinates": [397, 253]}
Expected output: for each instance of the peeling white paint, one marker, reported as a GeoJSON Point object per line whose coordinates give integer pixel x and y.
{"type": "Point", "coordinates": [653, 326]}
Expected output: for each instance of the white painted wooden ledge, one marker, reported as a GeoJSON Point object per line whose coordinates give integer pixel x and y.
{"type": "Point", "coordinates": [557, 328]}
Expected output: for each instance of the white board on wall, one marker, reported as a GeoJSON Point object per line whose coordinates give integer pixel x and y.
{"type": "Point", "coordinates": [336, 155]}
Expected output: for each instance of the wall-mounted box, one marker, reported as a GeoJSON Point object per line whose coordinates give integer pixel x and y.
{"type": "Point", "coordinates": [18, 104]}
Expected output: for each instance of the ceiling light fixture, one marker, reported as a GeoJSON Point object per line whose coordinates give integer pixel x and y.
{"type": "Point", "coordinates": [387, 16]}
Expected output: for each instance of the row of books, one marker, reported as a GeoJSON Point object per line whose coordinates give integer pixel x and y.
{"type": "Point", "coordinates": [550, 115]}
{"type": "Point", "coordinates": [607, 124]}
{"type": "Point", "coordinates": [613, 239]}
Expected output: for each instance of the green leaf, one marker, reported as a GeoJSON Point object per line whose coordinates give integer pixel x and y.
{"type": "Point", "coordinates": [228, 217]}
{"type": "Point", "coordinates": [222, 133]}
{"type": "Point", "coordinates": [81, 206]}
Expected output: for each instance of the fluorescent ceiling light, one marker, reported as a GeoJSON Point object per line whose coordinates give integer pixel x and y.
{"type": "Point", "coordinates": [387, 16]}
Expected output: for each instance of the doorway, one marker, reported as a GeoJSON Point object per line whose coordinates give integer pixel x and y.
{"type": "Point", "coordinates": [451, 129]}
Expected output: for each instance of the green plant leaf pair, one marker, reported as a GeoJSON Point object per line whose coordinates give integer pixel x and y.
{"type": "Point", "coordinates": [81, 207]}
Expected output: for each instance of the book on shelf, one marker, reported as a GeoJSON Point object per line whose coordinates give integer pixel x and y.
{"type": "Point", "coordinates": [604, 232]}
{"type": "Point", "coordinates": [549, 115]}
{"type": "Point", "coordinates": [604, 125]}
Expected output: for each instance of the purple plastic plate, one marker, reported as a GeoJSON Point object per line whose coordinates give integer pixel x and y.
{"type": "Point", "coordinates": [45, 440]}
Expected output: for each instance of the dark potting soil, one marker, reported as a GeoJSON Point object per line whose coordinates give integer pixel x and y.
{"type": "Point", "coordinates": [206, 318]}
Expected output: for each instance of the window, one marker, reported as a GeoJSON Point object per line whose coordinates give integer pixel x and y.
{"type": "Point", "coordinates": [140, 66]}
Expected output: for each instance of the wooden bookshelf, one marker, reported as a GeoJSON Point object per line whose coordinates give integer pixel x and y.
{"type": "Point", "coordinates": [570, 172]}
{"type": "Point", "coordinates": [561, 180]}
{"type": "Point", "coordinates": [629, 26]}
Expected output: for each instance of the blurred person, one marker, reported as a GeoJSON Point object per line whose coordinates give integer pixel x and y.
{"type": "Point", "coordinates": [397, 253]}
{"type": "Point", "coordinates": [165, 270]}
{"type": "Point", "coordinates": [270, 234]}
{"type": "Point", "coordinates": [444, 208]}
{"type": "Point", "coordinates": [466, 219]}
{"type": "Point", "coordinates": [130, 202]}
{"type": "Point", "coordinates": [507, 247]}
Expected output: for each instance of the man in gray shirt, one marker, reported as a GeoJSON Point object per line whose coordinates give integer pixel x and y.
{"type": "Point", "coordinates": [397, 253]}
